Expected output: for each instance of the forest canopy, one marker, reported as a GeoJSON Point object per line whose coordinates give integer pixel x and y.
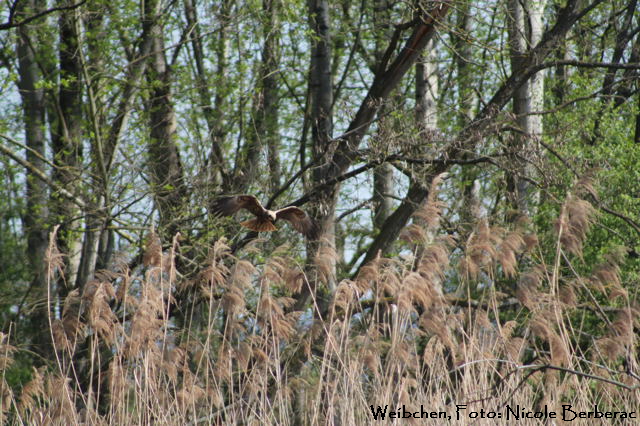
{"type": "Point", "coordinates": [470, 167]}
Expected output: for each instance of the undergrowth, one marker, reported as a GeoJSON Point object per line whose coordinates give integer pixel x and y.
{"type": "Point", "coordinates": [499, 319]}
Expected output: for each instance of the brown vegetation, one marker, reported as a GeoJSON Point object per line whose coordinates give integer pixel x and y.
{"type": "Point", "coordinates": [401, 332]}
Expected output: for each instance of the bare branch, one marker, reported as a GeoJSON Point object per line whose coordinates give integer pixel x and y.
{"type": "Point", "coordinates": [42, 176]}
{"type": "Point", "coordinates": [11, 24]}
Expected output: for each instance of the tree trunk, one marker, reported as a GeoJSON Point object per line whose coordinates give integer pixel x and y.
{"type": "Point", "coordinates": [164, 158]}
{"type": "Point", "coordinates": [536, 11]}
{"type": "Point", "coordinates": [36, 216]}
{"type": "Point", "coordinates": [321, 117]}
{"type": "Point", "coordinates": [383, 174]}
{"type": "Point", "coordinates": [427, 92]}
{"type": "Point", "coordinates": [464, 81]}
{"type": "Point", "coordinates": [469, 210]}
{"type": "Point", "coordinates": [269, 76]}
{"type": "Point", "coordinates": [263, 131]}
{"type": "Point", "coordinates": [426, 103]}
{"type": "Point", "coordinates": [320, 93]}
{"type": "Point", "coordinates": [67, 144]}
{"type": "Point", "coordinates": [528, 98]}
{"type": "Point", "coordinates": [382, 188]}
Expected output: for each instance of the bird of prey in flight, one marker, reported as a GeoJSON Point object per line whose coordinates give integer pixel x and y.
{"type": "Point", "coordinates": [265, 219]}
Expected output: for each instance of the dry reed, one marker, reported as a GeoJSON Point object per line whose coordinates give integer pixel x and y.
{"type": "Point", "coordinates": [392, 335]}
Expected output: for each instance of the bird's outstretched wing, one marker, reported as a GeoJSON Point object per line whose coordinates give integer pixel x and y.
{"type": "Point", "coordinates": [300, 221]}
{"type": "Point", "coordinates": [227, 206]}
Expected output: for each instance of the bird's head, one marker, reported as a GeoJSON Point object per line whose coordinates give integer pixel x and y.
{"type": "Point", "coordinates": [272, 215]}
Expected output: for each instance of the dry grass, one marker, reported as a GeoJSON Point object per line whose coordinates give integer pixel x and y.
{"type": "Point", "coordinates": [391, 336]}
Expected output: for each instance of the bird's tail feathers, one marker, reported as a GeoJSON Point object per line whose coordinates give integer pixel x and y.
{"type": "Point", "coordinates": [259, 225]}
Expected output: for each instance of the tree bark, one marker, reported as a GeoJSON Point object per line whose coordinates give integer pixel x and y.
{"type": "Point", "coordinates": [464, 81]}
{"type": "Point", "coordinates": [164, 158]}
{"type": "Point", "coordinates": [517, 183]}
{"type": "Point", "coordinates": [36, 216]}
{"type": "Point", "coordinates": [427, 92]}
{"type": "Point", "coordinates": [382, 188]}
{"type": "Point", "coordinates": [469, 209]}
{"type": "Point", "coordinates": [320, 92]}
{"type": "Point", "coordinates": [263, 131]}
{"type": "Point", "coordinates": [269, 76]}
{"type": "Point", "coordinates": [67, 143]}
{"type": "Point", "coordinates": [525, 31]}
{"type": "Point", "coordinates": [321, 115]}
{"type": "Point", "coordinates": [426, 106]}
{"type": "Point", "coordinates": [383, 174]}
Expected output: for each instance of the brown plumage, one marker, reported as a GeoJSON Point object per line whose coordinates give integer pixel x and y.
{"type": "Point", "coordinates": [265, 219]}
